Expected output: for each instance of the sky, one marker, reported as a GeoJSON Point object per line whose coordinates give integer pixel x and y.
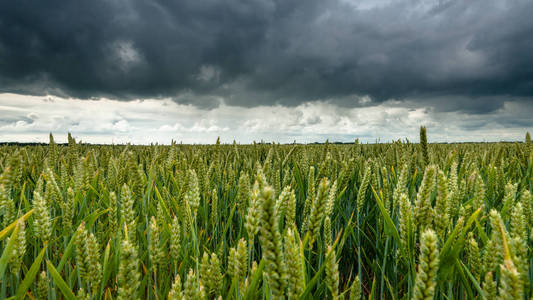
{"type": "Point", "coordinates": [118, 71]}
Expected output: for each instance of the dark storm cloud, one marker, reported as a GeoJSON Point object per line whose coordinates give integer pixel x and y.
{"type": "Point", "coordinates": [458, 55]}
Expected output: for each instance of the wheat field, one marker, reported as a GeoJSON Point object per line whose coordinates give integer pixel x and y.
{"type": "Point", "coordinates": [401, 220]}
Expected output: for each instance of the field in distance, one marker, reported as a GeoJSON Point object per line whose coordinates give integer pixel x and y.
{"type": "Point", "coordinates": [399, 220]}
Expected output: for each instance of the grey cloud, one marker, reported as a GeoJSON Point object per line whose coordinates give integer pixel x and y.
{"type": "Point", "coordinates": [458, 55]}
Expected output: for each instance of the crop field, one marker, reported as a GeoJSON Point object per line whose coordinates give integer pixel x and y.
{"type": "Point", "coordinates": [402, 220]}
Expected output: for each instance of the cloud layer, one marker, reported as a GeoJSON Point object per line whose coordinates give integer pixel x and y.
{"type": "Point", "coordinates": [465, 56]}
{"type": "Point", "coordinates": [32, 118]}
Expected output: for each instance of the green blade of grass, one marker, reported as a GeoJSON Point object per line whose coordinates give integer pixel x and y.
{"type": "Point", "coordinates": [252, 289]}
{"type": "Point", "coordinates": [8, 251]}
{"type": "Point", "coordinates": [7, 230]}
{"type": "Point", "coordinates": [30, 275]}
{"type": "Point", "coordinates": [390, 228]}
{"type": "Point", "coordinates": [61, 284]}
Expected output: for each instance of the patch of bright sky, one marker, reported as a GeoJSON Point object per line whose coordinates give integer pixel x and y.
{"type": "Point", "coordinates": [32, 118]}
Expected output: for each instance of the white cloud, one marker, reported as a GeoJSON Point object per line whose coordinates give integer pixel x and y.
{"type": "Point", "coordinates": [208, 73]}
{"type": "Point", "coordinates": [126, 54]}
{"type": "Point", "coordinates": [31, 118]}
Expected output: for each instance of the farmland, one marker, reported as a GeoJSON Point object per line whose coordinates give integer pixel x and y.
{"type": "Point", "coordinates": [401, 220]}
